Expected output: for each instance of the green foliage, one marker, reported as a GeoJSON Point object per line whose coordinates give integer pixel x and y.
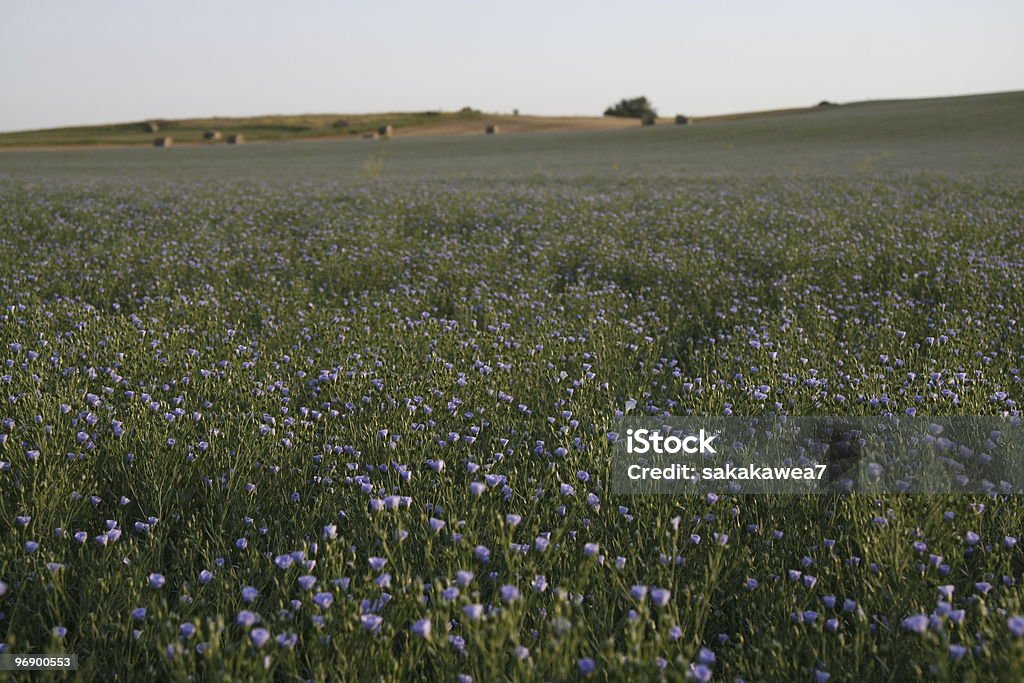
{"type": "Point", "coordinates": [279, 303]}
{"type": "Point", "coordinates": [253, 290]}
{"type": "Point", "coordinates": [634, 108]}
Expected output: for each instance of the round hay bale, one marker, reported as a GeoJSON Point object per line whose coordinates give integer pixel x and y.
{"type": "Point", "coordinates": [236, 139]}
{"type": "Point", "coordinates": [151, 127]}
{"type": "Point", "coordinates": [386, 131]}
{"type": "Point", "coordinates": [163, 142]}
{"type": "Point", "coordinates": [648, 119]}
{"type": "Point", "coordinates": [212, 135]}
{"type": "Point", "coordinates": [682, 120]}
{"type": "Point", "coordinates": [492, 129]}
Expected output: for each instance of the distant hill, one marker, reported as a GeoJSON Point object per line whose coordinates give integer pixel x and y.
{"type": "Point", "coordinates": [333, 126]}
{"type": "Point", "coordinates": [971, 134]}
{"type": "Point", "coordinates": [906, 115]}
{"type": "Point", "coordinates": [302, 127]}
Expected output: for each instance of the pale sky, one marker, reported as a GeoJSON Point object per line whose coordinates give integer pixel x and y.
{"type": "Point", "coordinates": [67, 62]}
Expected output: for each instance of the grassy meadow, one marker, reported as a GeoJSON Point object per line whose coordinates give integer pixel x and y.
{"type": "Point", "coordinates": [340, 411]}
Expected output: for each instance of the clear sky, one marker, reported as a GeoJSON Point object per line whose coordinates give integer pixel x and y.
{"type": "Point", "coordinates": [65, 62]}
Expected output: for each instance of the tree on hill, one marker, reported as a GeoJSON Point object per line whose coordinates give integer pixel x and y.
{"type": "Point", "coordinates": [633, 108]}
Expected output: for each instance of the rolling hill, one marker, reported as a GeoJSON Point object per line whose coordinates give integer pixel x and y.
{"type": "Point", "coordinates": [278, 128]}
{"type": "Point", "coordinates": [982, 133]}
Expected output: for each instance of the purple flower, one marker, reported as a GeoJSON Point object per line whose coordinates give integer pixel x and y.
{"type": "Point", "coordinates": [421, 628]}
{"type": "Point", "coordinates": [474, 611]}
{"type": "Point", "coordinates": [1016, 626]}
{"type": "Point", "coordinates": [639, 592]}
{"type": "Point", "coordinates": [156, 581]}
{"type": "Point", "coordinates": [377, 563]}
{"type": "Point", "coordinates": [259, 637]}
{"type": "Point", "coordinates": [307, 582]}
{"type": "Point", "coordinates": [957, 652]}
{"type": "Point", "coordinates": [590, 549]}
{"type": "Point", "coordinates": [917, 623]}
{"type": "Point", "coordinates": [205, 576]}
{"type": "Point", "coordinates": [139, 613]}
{"type": "Point", "coordinates": [509, 593]}
{"type": "Point", "coordinates": [371, 622]}
{"type": "Point", "coordinates": [660, 596]}
{"type": "Point", "coordinates": [699, 673]}
{"type": "Point", "coordinates": [586, 666]}
{"type": "Point", "coordinates": [187, 630]}
{"type": "Point", "coordinates": [323, 600]}
{"type": "Point", "coordinates": [245, 618]}
{"type": "Point", "coordinates": [287, 640]}
{"type": "Point", "coordinates": [249, 594]}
